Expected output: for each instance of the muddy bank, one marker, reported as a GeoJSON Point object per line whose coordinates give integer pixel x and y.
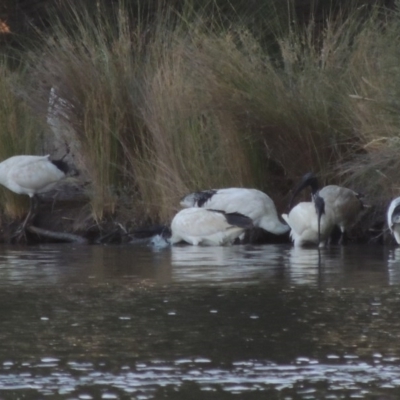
{"type": "Point", "coordinates": [66, 216]}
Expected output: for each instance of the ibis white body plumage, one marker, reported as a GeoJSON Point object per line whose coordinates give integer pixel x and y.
{"type": "Point", "coordinates": [199, 226]}
{"type": "Point", "coordinates": [30, 175]}
{"type": "Point", "coordinates": [393, 218]}
{"type": "Point", "coordinates": [345, 205]}
{"type": "Point", "coordinates": [303, 221]}
{"type": "Point", "coordinates": [252, 203]}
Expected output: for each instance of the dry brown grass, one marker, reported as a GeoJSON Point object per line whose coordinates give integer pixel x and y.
{"type": "Point", "coordinates": [20, 132]}
{"type": "Point", "coordinates": [186, 104]}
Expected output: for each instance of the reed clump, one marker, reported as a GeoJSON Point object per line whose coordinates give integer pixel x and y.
{"type": "Point", "coordinates": [156, 108]}
{"type": "Point", "coordinates": [374, 97]}
{"type": "Point", "coordinates": [20, 132]}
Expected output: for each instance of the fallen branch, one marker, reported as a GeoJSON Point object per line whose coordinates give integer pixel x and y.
{"type": "Point", "coordinates": [63, 236]}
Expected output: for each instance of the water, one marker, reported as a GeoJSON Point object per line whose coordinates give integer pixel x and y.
{"type": "Point", "coordinates": [246, 322]}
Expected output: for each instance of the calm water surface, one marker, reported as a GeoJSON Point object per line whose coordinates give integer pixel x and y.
{"type": "Point", "coordinates": [245, 322]}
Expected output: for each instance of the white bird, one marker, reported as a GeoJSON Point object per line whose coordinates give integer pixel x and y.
{"type": "Point", "coordinates": [345, 204]}
{"type": "Point", "coordinates": [31, 175]}
{"type": "Point", "coordinates": [207, 227]}
{"type": "Point", "coordinates": [252, 203]}
{"type": "Point", "coordinates": [200, 226]}
{"type": "Point", "coordinates": [393, 218]}
{"type": "Point", "coordinates": [310, 222]}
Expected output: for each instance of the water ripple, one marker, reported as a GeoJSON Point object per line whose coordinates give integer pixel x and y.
{"type": "Point", "coordinates": [145, 378]}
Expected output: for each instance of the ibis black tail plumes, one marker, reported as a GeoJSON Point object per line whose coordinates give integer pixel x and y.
{"type": "Point", "coordinates": [239, 220]}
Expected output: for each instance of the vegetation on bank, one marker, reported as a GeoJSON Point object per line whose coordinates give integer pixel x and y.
{"type": "Point", "coordinates": [155, 108]}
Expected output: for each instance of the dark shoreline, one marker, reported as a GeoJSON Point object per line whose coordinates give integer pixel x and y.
{"type": "Point", "coordinates": [72, 219]}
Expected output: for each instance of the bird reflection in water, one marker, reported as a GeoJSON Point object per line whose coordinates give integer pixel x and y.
{"type": "Point", "coordinates": [305, 265]}
{"type": "Point", "coordinates": [240, 264]}
{"type": "Point", "coordinates": [394, 266]}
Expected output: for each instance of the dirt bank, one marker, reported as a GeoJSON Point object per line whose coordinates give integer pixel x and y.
{"type": "Point", "coordinates": [66, 216]}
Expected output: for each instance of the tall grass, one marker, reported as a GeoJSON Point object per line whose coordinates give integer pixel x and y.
{"type": "Point", "coordinates": [20, 132]}
{"type": "Point", "coordinates": [147, 110]}
{"type": "Point", "coordinates": [91, 64]}
{"type": "Point", "coordinates": [375, 95]}
{"type": "Point", "coordinates": [186, 101]}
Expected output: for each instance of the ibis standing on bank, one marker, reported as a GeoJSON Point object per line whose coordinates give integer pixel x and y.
{"type": "Point", "coordinates": [31, 175]}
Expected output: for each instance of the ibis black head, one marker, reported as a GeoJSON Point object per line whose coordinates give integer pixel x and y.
{"type": "Point", "coordinates": [311, 180]}
{"type": "Point", "coordinates": [308, 179]}
{"type": "Point", "coordinates": [61, 165]}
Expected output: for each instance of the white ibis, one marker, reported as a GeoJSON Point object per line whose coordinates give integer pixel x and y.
{"type": "Point", "coordinates": [31, 175]}
{"type": "Point", "coordinates": [208, 227]}
{"type": "Point", "coordinates": [310, 222]}
{"type": "Point", "coordinates": [199, 226]}
{"type": "Point", "coordinates": [251, 203]}
{"type": "Point", "coordinates": [345, 204]}
{"type": "Point", "coordinates": [393, 218]}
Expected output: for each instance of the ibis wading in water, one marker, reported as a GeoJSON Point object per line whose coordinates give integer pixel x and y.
{"type": "Point", "coordinates": [200, 226]}
{"type": "Point", "coordinates": [345, 204]}
{"type": "Point", "coordinates": [310, 222]}
{"type": "Point", "coordinates": [251, 203]}
{"type": "Point", "coordinates": [31, 175]}
{"type": "Point", "coordinates": [393, 218]}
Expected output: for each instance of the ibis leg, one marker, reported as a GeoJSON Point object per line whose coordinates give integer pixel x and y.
{"type": "Point", "coordinates": [34, 202]}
